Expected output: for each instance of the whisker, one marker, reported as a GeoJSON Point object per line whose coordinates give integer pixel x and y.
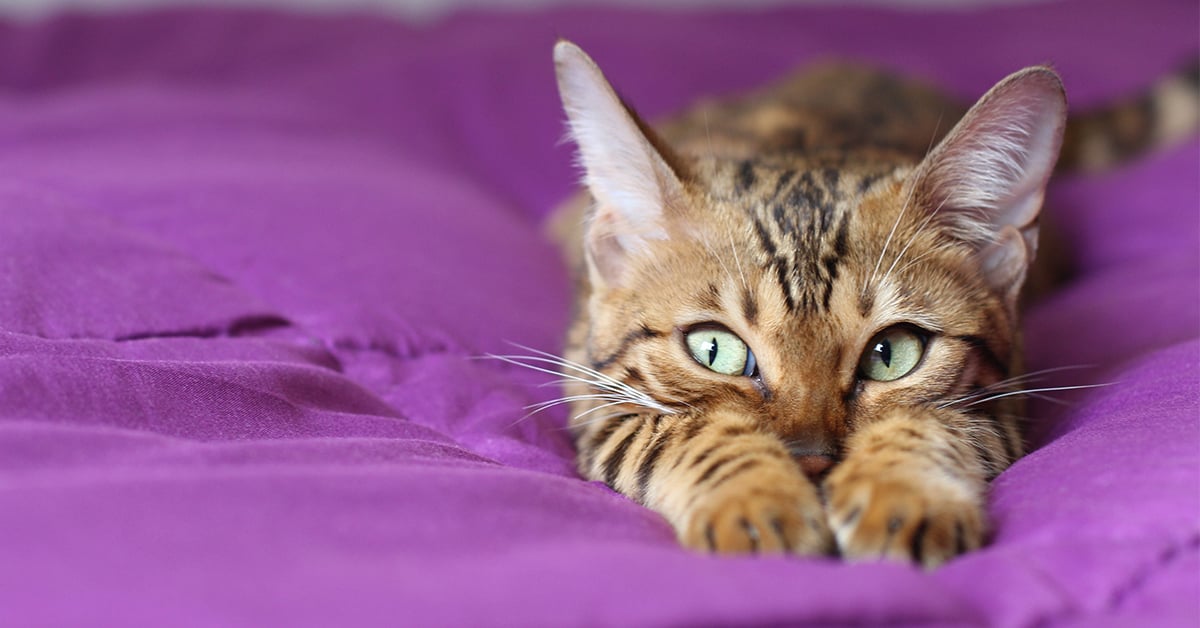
{"type": "Point", "coordinates": [578, 424]}
{"type": "Point", "coordinates": [611, 389]}
{"type": "Point", "coordinates": [515, 361]}
{"type": "Point", "coordinates": [737, 261]}
{"type": "Point", "coordinates": [601, 380]}
{"type": "Point", "coordinates": [1006, 384]}
{"type": "Point", "coordinates": [542, 356]}
{"type": "Point", "coordinates": [535, 408]}
{"type": "Point", "coordinates": [903, 209]}
{"type": "Point", "coordinates": [1036, 390]}
{"type": "Point", "coordinates": [591, 410]}
{"type": "Point", "coordinates": [538, 407]}
{"type": "Point", "coordinates": [546, 405]}
{"type": "Point", "coordinates": [920, 229]}
{"type": "Point", "coordinates": [613, 382]}
{"type": "Point", "coordinates": [720, 260]}
{"type": "Point", "coordinates": [712, 154]}
{"type": "Point", "coordinates": [1035, 375]}
{"type": "Point", "coordinates": [1049, 399]}
{"type": "Point", "coordinates": [888, 241]}
{"type": "Point", "coordinates": [918, 258]}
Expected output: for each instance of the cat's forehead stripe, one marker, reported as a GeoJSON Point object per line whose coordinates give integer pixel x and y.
{"type": "Point", "coordinates": [749, 307]}
{"type": "Point", "coordinates": [802, 212]}
{"type": "Point", "coordinates": [746, 176]}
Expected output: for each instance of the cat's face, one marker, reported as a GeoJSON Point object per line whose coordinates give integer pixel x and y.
{"type": "Point", "coordinates": [798, 317]}
{"type": "Point", "coordinates": [805, 297]}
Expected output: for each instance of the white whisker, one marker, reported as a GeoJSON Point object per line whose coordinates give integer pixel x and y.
{"type": "Point", "coordinates": [599, 407]}
{"type": "Point", "coordinates": [1011, 384]}
{"type": "Point", "coordinates": [712, 155]}
{"type": "Point", "coordinates": [598, 419]}
{"type": "Point", "coordinates": [720, 259]}
{"type": "Point", "coordinates": [1038, 375]}
{"type": "Point", "coordinates": [737, 261]}
{"type": "Point", "coordinates": [610, 390]}
{"type": "Point", "coordinates": [920, 229]}
{"type": "Point", "coordinates": [1036, 390]}
{"type": "Point", "coordinates": [907, 201]}
{"type": "Point", "coordinates": [601, 380]}
{"type": "Point", "coordinates": [535, 408]}
{"type": "Point", "coordinates": [538, 407]}
{"type": "Point", "coordinates": [515, 361]}
{"type": "Point", "coordinates": [1049, 399]}
{"type": "Point", "coordinates": [888, 241]}
{"type": "Point", "coordinates": [918, 258]}
{"type": "Point", "coordinates": [1005, 385]}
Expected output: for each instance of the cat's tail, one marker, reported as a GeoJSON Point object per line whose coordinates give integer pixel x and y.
{"type": "Point", "coordinates": [1166, 113]}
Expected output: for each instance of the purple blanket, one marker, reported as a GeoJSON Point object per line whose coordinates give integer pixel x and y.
{"type": "Point", "coordinates": [246, 260]}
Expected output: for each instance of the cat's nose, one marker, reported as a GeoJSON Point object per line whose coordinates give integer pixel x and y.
{"type": "Point", "coordinates": [815, 466]}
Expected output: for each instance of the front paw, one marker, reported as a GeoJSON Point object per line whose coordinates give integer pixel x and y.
{"type": "Point", "coordinates": [915, 517]}
{"type": "Point", "coordinates": [757, 513]}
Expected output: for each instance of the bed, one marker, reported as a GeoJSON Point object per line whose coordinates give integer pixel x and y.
{"type": "Point", "coordinates": [250, 258]}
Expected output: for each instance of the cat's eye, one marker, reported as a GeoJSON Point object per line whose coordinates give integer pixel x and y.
{"type": "Point", "coordinates": [721, 351]}
{"type": "Point", "coordinates": [892, 354]}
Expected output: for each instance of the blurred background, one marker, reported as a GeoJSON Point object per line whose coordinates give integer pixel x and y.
{"type": "Point", "coordinates": [433, 9]}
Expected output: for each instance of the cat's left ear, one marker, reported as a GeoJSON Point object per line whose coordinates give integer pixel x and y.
{"type": "Point", "coordinates": [632, 175]}
{"type": "Point", "coordinates": [987, 178]}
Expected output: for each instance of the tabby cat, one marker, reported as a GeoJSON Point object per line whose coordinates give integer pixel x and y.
{"type": "Point", "coordinates": [798, 310]}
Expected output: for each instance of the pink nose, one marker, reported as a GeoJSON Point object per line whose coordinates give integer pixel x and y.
{"type": "Point", "coordinates": [814, 465]}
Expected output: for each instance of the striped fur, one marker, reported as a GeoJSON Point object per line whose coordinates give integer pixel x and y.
{"type": "Point", "coordinates": [1164, 114]}
{"type": "Point", "coordinates": [805, 219]}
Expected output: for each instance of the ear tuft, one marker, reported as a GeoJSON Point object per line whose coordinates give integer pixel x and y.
{"type": "Point", "coordinates": [993, 166]}
{"type": "Point", "coordinates": [627, 175]}
{"type": "Point", "coordinates": [989, 174]}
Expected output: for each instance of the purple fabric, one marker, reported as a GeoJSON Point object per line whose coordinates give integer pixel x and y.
{"type": "Point", "coordinates": [246, 260]}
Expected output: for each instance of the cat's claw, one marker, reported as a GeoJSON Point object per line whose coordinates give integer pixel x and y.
{"type": "Point", "coordinates": [908, 518]}
{"type": "Point", "coordinates": [766, 520]}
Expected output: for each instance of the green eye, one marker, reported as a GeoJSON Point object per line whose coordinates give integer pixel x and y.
{"type": "Point", "coordinates": [891, 354]}
{"type": "Point", "coordinates": [721, 351]}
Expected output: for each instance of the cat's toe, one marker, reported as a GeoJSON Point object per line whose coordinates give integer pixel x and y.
{"type": "Point", "coordinates": [761, 520]}
{"type": "Point", "coordinates": [904, 519]}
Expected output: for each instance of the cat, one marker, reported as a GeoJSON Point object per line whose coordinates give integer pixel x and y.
{"type": "Point", "coordinates": [798, 311]}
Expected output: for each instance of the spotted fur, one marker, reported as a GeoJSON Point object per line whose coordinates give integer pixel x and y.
{"type": "Point", "coordinates": [804, 219]}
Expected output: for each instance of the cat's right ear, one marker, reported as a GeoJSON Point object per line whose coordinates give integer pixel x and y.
{"type": "Point", "coordinates": [627, 169]}
{"type": "Point", "coordinates": [985, 181]}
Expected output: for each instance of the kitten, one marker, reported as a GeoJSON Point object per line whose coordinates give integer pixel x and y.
{"type": "Point", "coordinates": [796, 309]}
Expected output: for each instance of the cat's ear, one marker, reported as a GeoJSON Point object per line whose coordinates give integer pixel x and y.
{"type": "Point", "coordinates": [630, 173]}
{"type": "Point", "coordinates": [985, 181]}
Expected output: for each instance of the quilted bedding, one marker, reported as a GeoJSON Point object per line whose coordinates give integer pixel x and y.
{"type": "Point", "coordinates": [248, 259]}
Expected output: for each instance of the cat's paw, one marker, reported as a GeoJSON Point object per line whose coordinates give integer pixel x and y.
{"type": "Point", "coordinates": [753, 514]}
{"type": "Point", "coordinates": [907, 517]}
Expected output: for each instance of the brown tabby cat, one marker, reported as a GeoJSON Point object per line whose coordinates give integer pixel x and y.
{"type": "Point", "coordinates": [798, 310]}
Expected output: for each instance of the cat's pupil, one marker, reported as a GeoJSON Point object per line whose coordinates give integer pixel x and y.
{"type": "Point", "coordinates": [884, 349]}
{"type": "Point", "coordinates": [712, 351]}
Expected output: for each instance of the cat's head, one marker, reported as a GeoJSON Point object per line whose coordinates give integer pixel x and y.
{"type": "Point", "coordinates": [809, 297]}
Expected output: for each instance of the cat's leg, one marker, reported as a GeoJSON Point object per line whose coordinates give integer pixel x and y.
{"type": "Point", "coordinates": [723, 485]}
{"type": "Point", "coordinates": [912, 485]}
